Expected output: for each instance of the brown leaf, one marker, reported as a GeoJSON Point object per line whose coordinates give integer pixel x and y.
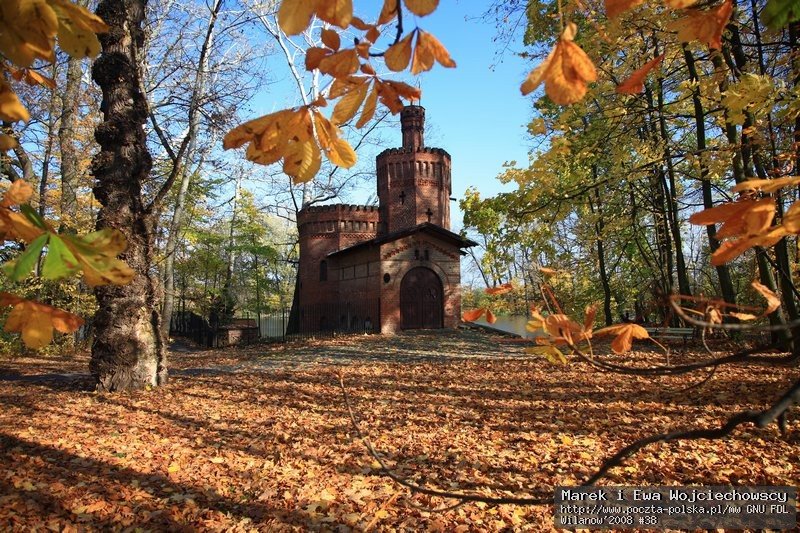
{"type": "Point", "coordinates": [635, 83]}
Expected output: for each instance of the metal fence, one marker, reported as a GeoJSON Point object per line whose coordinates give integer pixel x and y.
{"type": "Point", "coordinates": [314, 321]}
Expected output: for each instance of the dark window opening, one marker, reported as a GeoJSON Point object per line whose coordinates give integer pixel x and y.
{"type": "Point", "coordinates": [387, 278]}
{"type": "Point", "coordinates": [323, 271]}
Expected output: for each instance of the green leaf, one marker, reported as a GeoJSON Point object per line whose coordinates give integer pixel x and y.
{"type": "Point", "coordinates": [19, 268]}
{"type": "Point", "coordinates": [34, 217]}
{"type": "Point", "coordinates": [59, 262]}
{"type": "Point", "coordinates": [778, 13]}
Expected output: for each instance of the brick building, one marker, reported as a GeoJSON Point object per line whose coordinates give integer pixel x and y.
{"type": "Point", "coordinates": [396, 266]}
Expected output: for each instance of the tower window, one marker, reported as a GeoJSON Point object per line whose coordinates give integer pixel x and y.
{"type": "Point", "coordinates": [402, 197]}
{"type": "Point", "coordinates": [323, 271]}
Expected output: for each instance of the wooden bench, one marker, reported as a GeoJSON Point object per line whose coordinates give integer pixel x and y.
{"type": "Point", "coordinates": [671, 334]}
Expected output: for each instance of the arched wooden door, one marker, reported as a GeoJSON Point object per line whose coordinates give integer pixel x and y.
{"type": "Point", "coordinates": [421, 301]}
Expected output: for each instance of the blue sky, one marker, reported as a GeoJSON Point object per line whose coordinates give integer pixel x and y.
{"type": "Point", "coordinates": [474, 111]}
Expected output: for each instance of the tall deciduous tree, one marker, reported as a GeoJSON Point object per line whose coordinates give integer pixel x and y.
{"type": "Point", "coordinates": [128, 350]}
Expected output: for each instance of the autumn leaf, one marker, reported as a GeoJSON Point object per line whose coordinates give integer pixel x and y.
{"type": "Point", "coordinates": [36, 321]}
{"type": "Point", "coordinates": [625, 333]}
{"type": "Point", "coordinates": [369, 108]}
{"type": "Point", "coordinates": [96, 255]}
{"type": "Point", "coordinates": [500, 289]}
{"type": "Point", "coordinates": [791, 219]}
{"type": "Point", "coordinates": [388, 11]}
{"type": "Point", "coordinates": [704, 26]}
{"type": "Point", "coordinates": [29, 30]}
{"type": "Point", "coordinates": [490, 317]}
{"type": "Point", "coordinates": [7, 142]}
{"type": "Point", "coordinates": [19, 268]}
{"type": "Point", "coordinates": [77, 29]}
{"type": "Point", "coordinates": [337, 12]}
{"type": "Point", "coordinates": [773, 301]}
{"type": "Point", "coordinates": [340, 64]}
{"type": "Point", "coordinates": [615, 8]}
{"type": "Point", "coordinates": [428, 48]}
{"type": "Point", "coordinates": [302, 160]}
{"type": "Point", "coordinates": [552, 353]}
{"type": "Point", "coordinates": [565, 72]}
{"type": "Point", "coordinates": [294, 16]}
{"type": "Point", "coordinates": [31, 77]}
{"type": "Point", "coordinates": [679, 4]}
{"type": "Point", "coordinates": [18, 193]}
{"type": "Point", "coordinates": [314, 55]}
{"type": "Point", "coordinates": [473, 315]}
{"type": "Point", "coordinates": [11, 109]}
{"type": "Point", "coordinates": [635, 83]}
{"type": "Point", "coordinates": [331, 39]}
{"type": "Point", "coordinates": [398, 55]}
{"type": "Point", "coordinates": [766, 185]}
{"type": "Point", "coordinates": [348, 105]}
{"type": "Point", "coordinates": [744, 317]}
{"type": "Point", "coordinates": [421, 7]}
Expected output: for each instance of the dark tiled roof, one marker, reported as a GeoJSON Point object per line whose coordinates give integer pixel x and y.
{"type": "Point", "coordinates": [425, 227]}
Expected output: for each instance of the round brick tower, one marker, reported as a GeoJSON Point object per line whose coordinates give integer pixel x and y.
{"type": "Point", "coordinates": [413, 181]}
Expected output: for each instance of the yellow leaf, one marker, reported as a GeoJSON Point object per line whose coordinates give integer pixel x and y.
{"type": "Point", "coordinates": [294, 16]}
{"type": "Point", "coordinates": [173, 467]}
{"type": "Point", "coordinates": [331, 39]}
{"type": "Point", "coordinates": [615, 8]}
{"type": "Point", "coordinates": [369, 108]}
{"type": "Point", "coordinates": [399, 54]}
{"type": "Point", "coordinates": [347, 107]}
{"type": "Point", "coordinates": [11, 109]}
{"type": "Point", "coordinates": [342, 154]}
{"type": "Point", "coordinates": [29, 29]}
{"type": "Point", "coordinates": [35, 321]}
{"type": "Point", "coordinates": [77, 29]}
{"type": "Point", "coordinates": [341, 86]}
{"type": "Point", "coordinates": [553, 354]}
{"type": "Point", "coordinates": [340, 64]}
{"type": "Point", "coordinates": [427, 50]}
{"type": "Point", "coordinates": [96, 254]}
{"type": "Point", "coordinates": [566, 440]}
{"type": "Point", "coordinates": [421, 7]}
{"type": "Point", "coordinates": [388, 12]}
{"type": "Point", "coordinates": [302, 160]}
{"type": "Point", "coordinates": [337, 12]}
{"type": "Point", "coordinates": [743, 316]}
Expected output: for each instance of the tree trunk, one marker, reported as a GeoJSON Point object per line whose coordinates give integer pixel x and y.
{"type": "Point", "coordinates": [723, 273]}
{"type": "Point", "coordinates": [128, 351]}
{"type": "Point", "coordinates": [66, 141]}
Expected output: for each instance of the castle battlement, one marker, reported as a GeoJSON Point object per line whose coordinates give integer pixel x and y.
{"type": "Point", "coordinates": [406, 151]}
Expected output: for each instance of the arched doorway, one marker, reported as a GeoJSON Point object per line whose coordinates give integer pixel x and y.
{"type": "Point", "coordinates": [421, 301]}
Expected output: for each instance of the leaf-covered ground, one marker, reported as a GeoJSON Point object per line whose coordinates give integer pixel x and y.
{"type": "Point", "coordinates": [259, 438]}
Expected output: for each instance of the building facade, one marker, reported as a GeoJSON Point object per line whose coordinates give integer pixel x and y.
{"type": "Point", "coordinates": [396, 266]}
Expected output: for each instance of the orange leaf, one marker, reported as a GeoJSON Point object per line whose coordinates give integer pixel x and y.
{"type": "Point", "coordinates": [35, 321]}
{"type": "Point", "coordinates": [743, 316]}
{"type": "Point", "coordinates": [294, 16]}
{"type": "Point", "coordinates": [791, 219]}
{"type": "Point", "coordinates": [314, 55]}
{"type": "Point", "coordinates": [428, 49]}
{"type": "Point", "coordinates": [421, 7]}
{"type": "Point", "coordinates": [388, 12]}
{"type": "Point", "coordinates": [490, 318]}
{"type": "Point", "coordinates": [340, 64]}
{"type": "Point", "coordinates": [331, 39]}
{"type": "Point", "coordinates": [473, 315]}
{"type": "Point", "coordinates": [18, 193]}
{"type": "Point", "coordinates": [773, 302]}
{"type": "Point", "coordinates": [767, 186]}
{"type": "Point", "coordinates": [635, 83]}
{"type": "Point", "coordinates": [500, 289]}
{"type": "Point", "coordinates": [372, 34]}
{"type": "Point", "coordinates": [625, 333]}
{"type": "Point", "coordinates": [615, 8]}
{"type": "Point", "coordinates": [679, 4]}
{"type": "Point", "coordinates": [565, 72]}
{"type": "Point", "coordinates": [7, 142]}
{"type": "Point", "coordinates": [337, 12]}
{"type": "Point", "coordinates": [704, 26]}
{"type": "Point", "coordinates": [588, 318]}
{"type": "Point", "coordinates": [751, 221]}
{"type": "Point", "coordinates": [398, 55]}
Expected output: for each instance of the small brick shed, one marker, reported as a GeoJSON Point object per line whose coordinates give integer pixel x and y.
{"type": "Point", "coordinates": [400, 255]}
